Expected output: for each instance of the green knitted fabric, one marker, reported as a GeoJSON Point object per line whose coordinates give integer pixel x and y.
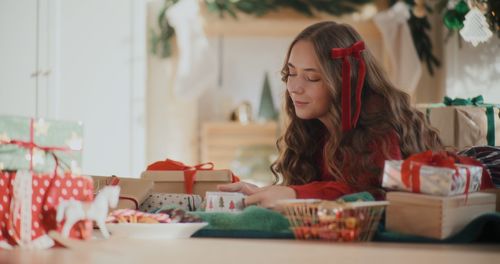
{"type": "Point", "coordinates": [252, 218]}
{"type": "Point", "coordinates": [255, 222]}
{"type": "Point", "coordinates": [355, 197]}
{"type": "Point", "coordinates": [260, 219]}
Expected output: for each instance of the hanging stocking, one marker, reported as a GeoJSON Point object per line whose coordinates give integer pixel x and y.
{"type": "Point", "coordinates": [405, 66]}
{"type": "Point", "coordinates": [196, 62]}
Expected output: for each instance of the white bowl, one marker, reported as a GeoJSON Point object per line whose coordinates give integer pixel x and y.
{"type": "Point", "coordinates": [155, 231]}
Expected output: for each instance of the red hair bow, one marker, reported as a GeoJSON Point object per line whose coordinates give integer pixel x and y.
{"type": "Point", "coordinates": [343, 53]}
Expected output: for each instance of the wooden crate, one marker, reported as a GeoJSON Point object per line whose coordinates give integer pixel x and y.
{"type": "Point", "coordinates": [496, 192]}
{"type": "Point", "coordinates": [220, 141]}
{"type": "Point", "coordinates": [435, 216]}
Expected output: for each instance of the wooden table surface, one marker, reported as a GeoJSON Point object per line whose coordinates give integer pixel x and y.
{"type": "Point", "coordinates": [255, 251]}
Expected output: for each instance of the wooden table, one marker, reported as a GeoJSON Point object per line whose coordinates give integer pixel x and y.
{"type": "Point", "coordinates": [254, 251]}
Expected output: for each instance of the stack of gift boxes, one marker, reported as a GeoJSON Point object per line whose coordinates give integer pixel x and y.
{"type": "Point", "coordinates": [39, 162]}
{"type": "Point", "coordinates": [167, 184]}
{"type": "Point", "coordinates": [440, 197]}
{"type": "Point", "coordinates": [431, 195]}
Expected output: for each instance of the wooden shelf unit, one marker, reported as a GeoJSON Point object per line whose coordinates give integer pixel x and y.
{"type": "Point", "coordinates": [220, 141]}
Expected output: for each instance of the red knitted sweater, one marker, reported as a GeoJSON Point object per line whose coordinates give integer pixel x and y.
{"type": "Point", "coordinates": [328, 189]}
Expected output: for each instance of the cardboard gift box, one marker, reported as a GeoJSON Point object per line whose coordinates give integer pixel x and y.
{"type": "Point", "coordinates": [434, 216]}
{"type": "Point", "coordinates": [463, 125]}
{"type": "Point", "coordinates": [172, 176]}
{"type": "Point", "coordinates": [428, 179]}
{"type": "Point", "coordinates": [132, 191]}
{"type": "Point", "coordinates": [49, 137]}
{"type": "Point", "coordinates": [224, 202]}
{"type": "Point", "coordinates": [155, 201]}
{"type": "Point", "coordinates": [29, 203]}
{"type": "Point", "coordinates": [174, 181]}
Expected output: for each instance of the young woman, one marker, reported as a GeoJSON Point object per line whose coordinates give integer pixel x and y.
{"type": "Point", "coordinates": [337, 135]}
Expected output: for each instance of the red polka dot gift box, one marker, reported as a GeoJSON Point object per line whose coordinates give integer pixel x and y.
{"type": "Point", "coordinates": [28, 204]}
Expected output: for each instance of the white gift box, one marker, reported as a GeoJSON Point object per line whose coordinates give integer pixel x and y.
{"type": "Point", "coordinates": [224, 202]}
{"type": "Point", "coordinates": [434, 180]}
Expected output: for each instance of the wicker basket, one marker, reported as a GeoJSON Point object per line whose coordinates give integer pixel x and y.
{"type": "Point", "coordinates": [334, 221]}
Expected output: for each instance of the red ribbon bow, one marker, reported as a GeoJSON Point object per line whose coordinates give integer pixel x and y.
{"type": "Point", "coordinates": [343, 53]}
{"type": "Point", "coordinates": [410, 169]}
{"type": "Point", "coordinates": [189, 171]}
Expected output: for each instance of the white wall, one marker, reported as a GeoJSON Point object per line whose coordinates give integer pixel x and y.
{"type": "Point", "coordinates": [18, 58]}
{"type": "Point", "coordinates": [101, 53]}
{"type": "Point", "coordinates": [90, 59]}
{"type": "Point", "coordinates": [473, 70]}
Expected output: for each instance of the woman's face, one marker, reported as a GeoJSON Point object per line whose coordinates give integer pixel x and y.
{"type": "Point", "coordinates": [306, 84]}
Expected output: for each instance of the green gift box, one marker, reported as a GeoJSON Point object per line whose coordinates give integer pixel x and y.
{"type": "Point", "coordinates": [464, 122]}
{"type": "Point", "coordinates": [28, 143]}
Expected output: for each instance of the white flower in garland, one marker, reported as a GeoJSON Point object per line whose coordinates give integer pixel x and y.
{"type": "Point", "coordinates": [476, 30]}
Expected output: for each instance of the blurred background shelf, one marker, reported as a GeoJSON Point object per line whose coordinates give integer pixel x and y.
{"type": "Point", "coordinates": [221, 141]}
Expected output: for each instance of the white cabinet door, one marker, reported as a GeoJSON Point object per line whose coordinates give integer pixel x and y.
{"type": "Point", "coordinates": [18, 49]}
{"type": "Point", "coordinates": [100, 81]}
{"type": "Point", "coordinates": [47, 51]}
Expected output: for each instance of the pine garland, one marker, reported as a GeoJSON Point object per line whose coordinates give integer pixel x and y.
{"type": "Point", "coordinates": [422, 41]}
{"type": "Point", "coordinates": [419, 26]}
{"type": "Point", "coordinates": [262, 7]}
{"type": "Point", "coordinates": [493, 15]}
{"type": "Point", "coordinates": [160, 41]}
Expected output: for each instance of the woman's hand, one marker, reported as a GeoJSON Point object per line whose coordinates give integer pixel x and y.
{"type": "Point", "coordinates": [267, 196]}
{"type": "Point", "coordinates": [242, 187]}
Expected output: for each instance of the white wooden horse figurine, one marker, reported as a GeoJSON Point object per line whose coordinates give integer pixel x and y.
{"type": "Point", "coordinates": [73, 211]}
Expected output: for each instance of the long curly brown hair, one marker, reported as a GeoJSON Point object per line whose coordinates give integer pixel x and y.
{"type": "Point", "coordinates": [348, 158]}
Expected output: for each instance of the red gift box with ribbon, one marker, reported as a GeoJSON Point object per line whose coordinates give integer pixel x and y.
{"type": "Point", "coordinates": [436, 173]}
{"type": "Point", "coordinates": [172, 176]}
{"type": "Point", "coordinates": [29, 200]}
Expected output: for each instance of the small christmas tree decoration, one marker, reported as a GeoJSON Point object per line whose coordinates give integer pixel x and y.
{"type": "Point", "coordinates": [266, 108]}
{"type": "Point", "coordinates": [221, 202]}
{"type": "Point", "coordinates": [476, 29]}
